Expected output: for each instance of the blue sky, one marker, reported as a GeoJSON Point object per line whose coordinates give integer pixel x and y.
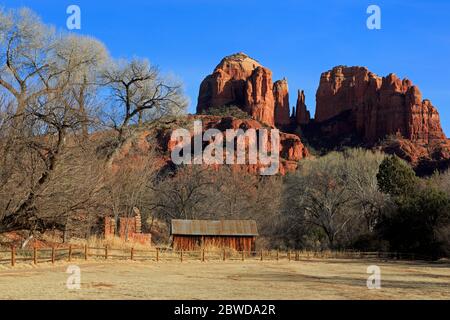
{"type": "Point", "coordinates": [296, 39]}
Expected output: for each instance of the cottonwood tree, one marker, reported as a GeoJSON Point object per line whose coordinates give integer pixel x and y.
{"type": "Point", "coordinates": [319, 195]}
{"type": "Point", "coordinates": [362, 167]}
{"type": "Point", "coordinates": [338, 194]}
{"type": "Point", "coordinates": [45, 169]}
{"type": "Point", "coordinates": [129, 186]}
{"type": "Point", "coordinates": [184, 194]}
{"type": "Point", "coordinates": [25, 46]}
{"type": "Point", "coordinates": [86, 58]}
{"type": "Point", "coordinates": [238, 194]}
{"type": "Point", "coordinates": [139, 93]}
{"type": "Point", "coordinates": [441, 181]}
{"type": "Point", "coordinates": [43, 180]}
{"type": "Point", "coordinates": [50, 173]}
{"type": "Point", "coordinates": [25, 43]}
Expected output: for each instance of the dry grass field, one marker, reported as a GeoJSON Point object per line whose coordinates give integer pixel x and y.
{"type": "Point", "coordinates": [306, 279]}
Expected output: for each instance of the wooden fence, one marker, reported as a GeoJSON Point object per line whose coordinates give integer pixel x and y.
{"type": "Point", "coordinates": [41, 255]}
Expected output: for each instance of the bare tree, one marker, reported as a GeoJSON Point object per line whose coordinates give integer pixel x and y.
{"type": "Point", "coordinates": [183, 194]}
{"type": "Point", "coordinates": [85, 57]}
{"type": "Point", "coordinates": [139, 92]}
{"type": "Point", "coordinates": [35, 158]}
{"type": "Point", "coordinates": [362, 168]}
{"type": "Point", "coordinates": [25, 43]}
{"type": "Point", "coordinates": [42, 166]}
{"type": "Point", "coordinates": [320, 196]}
{"type": "Point", "coordinates": [50, 172]}
{"type": "Point", "coordinates": [128, 186]}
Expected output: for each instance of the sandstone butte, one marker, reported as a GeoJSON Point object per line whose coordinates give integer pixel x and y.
{"type": "Point", "coordinates": [376, 106]}
{"type": "Point", "coordinates": [353, 100]}
{"type": "Point", "coordinates": [381, 112]}
{"type": "Point", "coordinates": [241, 81]}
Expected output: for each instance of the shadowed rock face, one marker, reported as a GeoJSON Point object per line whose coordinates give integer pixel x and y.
{"type": "Point", "coordinates": [282, 108]}
{"type": "Point", "coordinates": [375, 107]}
{"type": "Point", "coordinates": [302, 115]}
{"type": "Point", "coordinates": [242, 81]}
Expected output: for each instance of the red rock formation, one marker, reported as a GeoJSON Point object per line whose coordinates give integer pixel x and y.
{"type": "Point", "coordinates": [282, 109]}
{"type": "Point", "coordinates": [353, 99]}
{"type": "Point", "coordinates": [354, 102]}
{"type": "Point", "coordinates": [425, 158]}
{"type": "Point", "coordinates": [259, 96]}
{"type": "Point", "coordinates": [302, 115]}
{"type": "Point", "coordinates": [239, 80]}
{"type": "Point", "coordinates": [291, 147]}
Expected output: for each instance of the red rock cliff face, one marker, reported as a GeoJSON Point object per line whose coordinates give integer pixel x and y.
{"type": "Point", "coordinates": [157, 141]}
{"type": "Point", "coordinates": [353, 99]}
{"type": "Point", "coordinates": [282, 109]}
{"type": "Point", "coordinates": [291, 147]}
{"type": "Point", "coordinates": [302, 115]}
{"type": "Point", "coordinates": [260, 103]}
{"type": "Point", "coordinates": [242, 81]}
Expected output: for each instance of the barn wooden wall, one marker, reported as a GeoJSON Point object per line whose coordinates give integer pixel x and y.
{"type": "Point", "coordinates": [238, 243]}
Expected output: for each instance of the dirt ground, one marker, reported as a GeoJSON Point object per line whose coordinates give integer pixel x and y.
{"type": "Point", "coordinates": [308, 279]}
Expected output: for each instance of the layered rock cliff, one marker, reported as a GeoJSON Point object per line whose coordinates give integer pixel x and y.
{"type": "Point", "coordinates": [355, 100]}
{"type": "Point", "coordinates": [282, 108]}
{"type": "Point", "coordinates": [241, 81]}
{"type": "Point", "coordinates": [385, 112]}
{"type": "Point", "coordinates": [353, 107]}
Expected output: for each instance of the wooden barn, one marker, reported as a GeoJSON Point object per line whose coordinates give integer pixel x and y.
{"type": "Point", "coordinates": [193, 234]}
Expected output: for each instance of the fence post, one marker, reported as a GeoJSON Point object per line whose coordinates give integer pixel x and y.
{"type": "Point", "coordinates": [243, 255]}
{"type": "Point", "coordinates": [106, 252]}
{"type": "Point", "coordinates": [261, 255]}
{"type": "Point", "coordinates": [224, 256]}
{"type": "Point", "coordinates": [203, 255]}
{"type": "Point", "coordinates": [278, 254]}
{"type": "Point", "coordinates": [85, 252]}
{"type": "Point", "coordinates": [53, 254]}
{"type": "Point", "coordinates": [34, 255]}
{"type": "Point", "coordinates": [181, 255]}
{"type": "Point", "coordinates": [13, 256]}
{"type": "Point", "coordinates": [70, 253]}
{"type": "Point", "coordinates": [289, 255]}
{"type": "Point", "coordinates": [132, 254]}
{"type": "Point", "coordinates": [157, 254]}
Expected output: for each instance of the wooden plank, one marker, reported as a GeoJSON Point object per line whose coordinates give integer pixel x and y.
{"type": "Point", "coordinates": [53, 255]}
{"type": "Point", "coordinates": [13, 256]}
{"type": "Point", "coordinates": [35, 253]}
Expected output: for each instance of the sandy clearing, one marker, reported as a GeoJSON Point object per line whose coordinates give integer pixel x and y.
{"type": "Point", "coordinates": [307, 279]}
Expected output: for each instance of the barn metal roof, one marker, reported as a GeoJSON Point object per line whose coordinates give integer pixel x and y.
{"type": "Point", "coordinates": [214, 227]}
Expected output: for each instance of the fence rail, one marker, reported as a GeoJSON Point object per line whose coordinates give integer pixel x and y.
{"type": "Point", "coordinates": [54, 254]}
